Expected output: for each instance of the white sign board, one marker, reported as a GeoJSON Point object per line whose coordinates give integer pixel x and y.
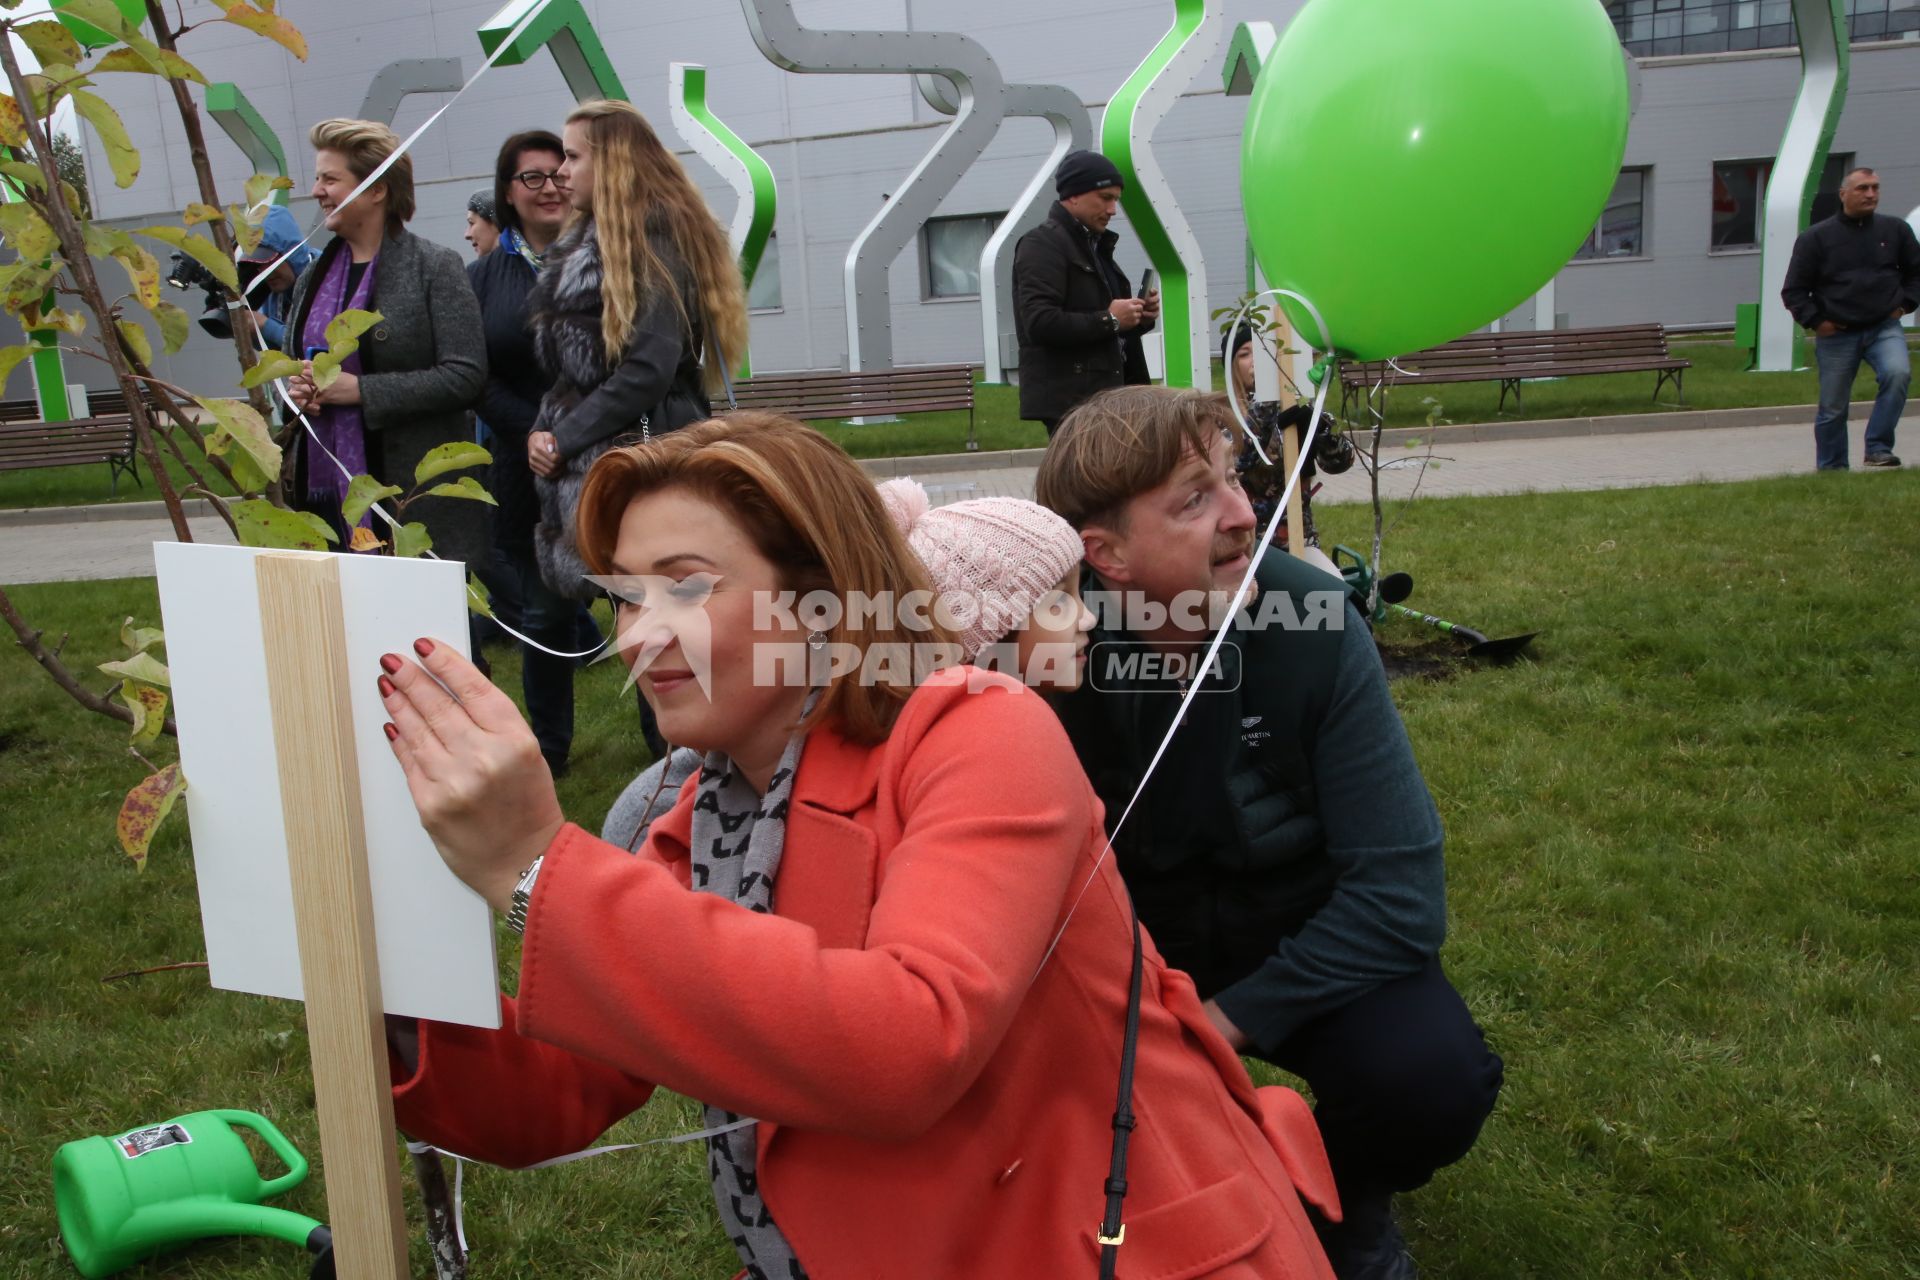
{"type": "Point", "coordinates": [434, 934]}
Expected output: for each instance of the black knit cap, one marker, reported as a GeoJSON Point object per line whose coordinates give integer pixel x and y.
{"type": "Point", "coordinates": [1084, 171]}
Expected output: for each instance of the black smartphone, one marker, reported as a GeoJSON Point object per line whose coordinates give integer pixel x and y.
{"type": "Point", "coordinates": [1149, 282]}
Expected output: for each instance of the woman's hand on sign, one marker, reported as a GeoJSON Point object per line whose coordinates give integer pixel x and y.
{"type": "Point", "coordinates": [484, 792]}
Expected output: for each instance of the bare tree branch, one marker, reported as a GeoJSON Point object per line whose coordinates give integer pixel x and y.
{"type": "Point", "coordinates": [29, 639]}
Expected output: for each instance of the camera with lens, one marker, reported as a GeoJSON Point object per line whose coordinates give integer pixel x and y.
{"type": "Point", "coordinates": [188, 273]}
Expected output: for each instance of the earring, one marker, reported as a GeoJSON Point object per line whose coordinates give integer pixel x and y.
{"type": "Point", "coordinates": [817, 641]}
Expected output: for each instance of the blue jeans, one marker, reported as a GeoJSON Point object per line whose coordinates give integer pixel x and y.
{"type": "Point", "coordinates": [1839, 356]}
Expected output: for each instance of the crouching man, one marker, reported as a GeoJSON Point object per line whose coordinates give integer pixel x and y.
{"type": "Point", "coordinates": [1286, 852]}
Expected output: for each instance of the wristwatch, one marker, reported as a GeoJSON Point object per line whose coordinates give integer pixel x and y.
{"type": "Point", "coordinates": [523, 895]}
{"type": "Point", "coordinates": [1113, 321]}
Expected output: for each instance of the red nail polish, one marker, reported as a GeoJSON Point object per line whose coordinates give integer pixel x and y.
{"type": "Point", "coordinates": [386, 687]}
{"type": "Point", "coordinates": [393, 734]}
{"type": "Point", "coordinates": [423, 647]}
{"type": "Point", "coordinates": [389, 664]}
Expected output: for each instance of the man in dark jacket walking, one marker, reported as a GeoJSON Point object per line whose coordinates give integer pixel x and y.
{"type": "Point", "coordinates": [1078, 322]}
{"type": "Point", "coordinates": [1851, 279]}
{"type": "Point", "coordinates": [1285, 852]}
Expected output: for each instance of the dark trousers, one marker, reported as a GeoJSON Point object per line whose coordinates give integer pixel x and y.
{"type": "Point", "coordinates": [1402, 1080]}
{"type": "Point", "coordinates": [547, 681]}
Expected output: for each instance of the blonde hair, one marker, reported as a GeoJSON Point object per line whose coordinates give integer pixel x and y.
{"type": "Point", "coordinates": [637, 182]}
{"type": "Point", "coordinates": [364, 144]}
{"type": "Point", "coordinates": [809, 509]}
{"type": "Point", "coordinates": [1121, 442]}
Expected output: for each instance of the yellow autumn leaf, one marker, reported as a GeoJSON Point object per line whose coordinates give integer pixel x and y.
{"type": "Point", "coordinates": [145, 808]}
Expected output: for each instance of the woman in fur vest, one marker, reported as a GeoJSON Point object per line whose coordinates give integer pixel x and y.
{"type": "Point", "coordinates": [642, 290]}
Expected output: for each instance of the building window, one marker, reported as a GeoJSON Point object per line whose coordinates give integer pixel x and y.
{"type": "Point", "coordinates": [1621, 230]}
{"type": "Point", "coordinates": [764, 293]}
{"type": "Point", "coordinates": [951, 251]}
{"type": "Point", "coordinates": [1656, 28]}
{"type": "Point", "coordinates": [1740, 188]}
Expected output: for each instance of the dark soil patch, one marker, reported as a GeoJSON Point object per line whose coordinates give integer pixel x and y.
{"type": "Point", "coordinates": [1435, 659]}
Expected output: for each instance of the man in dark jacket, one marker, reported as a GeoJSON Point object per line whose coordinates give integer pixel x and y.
{"type": "Point", "coordinates": [1851, 279]}
{"type": "Point", "coordinates": [1285, 851]}
{"type": "Point", "coordinates": [1078, 322]}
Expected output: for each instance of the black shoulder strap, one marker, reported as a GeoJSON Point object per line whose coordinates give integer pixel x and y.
{"type": "Point", "coordinates": [1113, 1232]}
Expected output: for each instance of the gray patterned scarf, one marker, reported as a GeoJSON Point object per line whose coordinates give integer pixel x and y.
{"type": "Point", "coordinates": [737, 839]}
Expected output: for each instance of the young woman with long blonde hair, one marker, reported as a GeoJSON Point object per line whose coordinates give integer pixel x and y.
{"type": "Point", "coordinates": [639, 313]}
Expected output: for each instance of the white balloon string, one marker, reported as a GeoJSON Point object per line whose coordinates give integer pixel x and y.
{"type": "Point", "coordinates": [380, 169]}
{"type": "Point", "coordinates": [1213, 649]}
{"type": "Point", "coordinates": [461, 1162]}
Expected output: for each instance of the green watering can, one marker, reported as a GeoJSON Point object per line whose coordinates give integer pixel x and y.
{"type": "Point", "coordinates": [127, 1197]}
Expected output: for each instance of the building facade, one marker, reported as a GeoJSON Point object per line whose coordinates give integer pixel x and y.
{"type": "Point", "coordinates": [1675, 244]}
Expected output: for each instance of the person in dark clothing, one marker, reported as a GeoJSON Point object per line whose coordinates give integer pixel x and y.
{"type": "Point", "coordinates": [1265, 481]}
{"type": "Point", "coordinates": [1078, 322]}
{"type": "Point", "coordinates": [1851, 279]}
{"type": "Point", "coordinates": [409, 386]}
{"type": "Point", "coordinates": [532, 207]}
{"type": "Point", "coordinates": [1285, 851]}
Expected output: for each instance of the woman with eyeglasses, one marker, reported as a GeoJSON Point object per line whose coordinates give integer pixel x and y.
{"type": "Point", "coordinates": [531, 204]}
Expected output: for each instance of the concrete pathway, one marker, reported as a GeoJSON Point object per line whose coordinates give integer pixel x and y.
{"type": "Point", "coordinates": [77, 544]}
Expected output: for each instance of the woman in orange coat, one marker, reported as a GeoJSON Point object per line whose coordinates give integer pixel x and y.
{"type": "Point", "coordinates": [842, 939]}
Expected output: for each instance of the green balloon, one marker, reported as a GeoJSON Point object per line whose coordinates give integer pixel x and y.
{"type": "Point", "coordinates": [134, 11]}
{"type": "Point", "coordinates": [1417, 168]}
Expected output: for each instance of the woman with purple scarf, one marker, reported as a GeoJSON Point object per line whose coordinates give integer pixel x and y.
{"type": "Point", "coordinates": [408, 388]}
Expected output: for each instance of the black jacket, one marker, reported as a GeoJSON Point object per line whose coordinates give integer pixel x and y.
{"type": "Point", "coordinates": [422, 368]}
{"type": "Point", "coordinates": [1853, 271]}
{"type": "Point", "coordinates": [1286, 853]}
{"type": "Point", "coordinates": [503, 282]}
{"type": "Point", "coordinates": [1062, 287]}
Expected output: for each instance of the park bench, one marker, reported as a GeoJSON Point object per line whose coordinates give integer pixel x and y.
{"type": "Point", "coordinates": [100, 404]}
{"type": "Point", "coordinates": [108, 439]}
{"type": "Point", "coordinates": [814, 396]}
{"type": "Point", "coordinates": [1512, 357]}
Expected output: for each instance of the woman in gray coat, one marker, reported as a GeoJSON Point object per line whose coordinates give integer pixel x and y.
{"type": "Point", "coordinates": [407, 389]}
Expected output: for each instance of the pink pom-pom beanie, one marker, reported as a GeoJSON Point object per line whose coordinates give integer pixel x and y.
{"type": "Point", "coordinates": [991, 559]}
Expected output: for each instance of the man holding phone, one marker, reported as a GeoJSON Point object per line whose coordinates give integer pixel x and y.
{"type": "Point", "coordinates": [1074, 311]}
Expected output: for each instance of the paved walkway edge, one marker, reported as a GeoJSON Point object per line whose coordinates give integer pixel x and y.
{"type": "Point", "coordinates": [940, 463]}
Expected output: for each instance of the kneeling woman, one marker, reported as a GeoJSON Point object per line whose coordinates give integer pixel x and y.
{"type": "Point", "coordinates": [843, 928]}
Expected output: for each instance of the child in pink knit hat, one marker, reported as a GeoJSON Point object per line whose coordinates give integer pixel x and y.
{"type": "Point", "coordinates": [1008, 573]}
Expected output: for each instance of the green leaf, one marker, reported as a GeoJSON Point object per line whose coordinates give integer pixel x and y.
{"type": "Point", "coordinates": [239, 424]}
{"type": "Point", "coordinates": [51, 43]}
{"type": "Point", "coordinates": [10, 358]}
{"type": "Point", "coordinates": [271, 25]}
{"type": "Point", "coordinates": [149, 707]}
{"type": "Point", "coordinates": [271, 365]}
{"type": "Point", "coordinates": [326, 370]}
{"type": "Point", "coordinates": [456, 455]}
{"type": "Point", "coordinates": [162, 62]}
{"type": "Point", "coordinates": [411, 540]}
{"type": "Point", "coordinates": [143, 667]}
{"type": "Point", "coordinates": [260, 188]}
{"type": "Point", "coordinates": [25, 174]}
{"type": "Point", "coordinates": [248, 232]}
{"type": "Point", "coordinates": [140, 639]}
{"type": "Point", "coordinates": [464, 487]}
{"type": "Point", "coordinates": [145, 808]}
{"type": "Point", "coordinates": [26, 232]}
{"type": "Point", "coordinates": [198, 213]}
{"type": "Point", "coordinates": [49, 87]}
{"type": "Point", "coordinates": [203, 250]}
{"type": "Point", "coordinates": [246, 474]}
{"type": "Point", "coordinates": [106, 15]}
{"type": "Point", "coordinates": [264, 525]}
{"type": "Point", "coordinates": [477, 597]}
{"type": "Point", "coordinates": [121, 155]}
{"type": "Point", "coordinates": [143, 272]}
{"type": "Point", "coordinates": [362, 493]}
{"type": "Point", "coordinates": [344, 330]}
{"type": "Point", "coordinates": [13, 123]}
{"type": "Point", "coordinates": [174, 324]}
{"type": "Point", "coordinates": [136, 335]}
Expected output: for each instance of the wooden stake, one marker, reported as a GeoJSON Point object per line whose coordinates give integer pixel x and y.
{"type": "Point", "coordinates": [304, 630]}
{"type": "Point", "coordinates": [1290, 440]}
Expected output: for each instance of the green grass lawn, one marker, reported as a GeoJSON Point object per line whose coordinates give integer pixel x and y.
{"type": "Point", "coordinates": [1716, 381]}
{"type": "Point", "coordinates": [1683, 893]}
